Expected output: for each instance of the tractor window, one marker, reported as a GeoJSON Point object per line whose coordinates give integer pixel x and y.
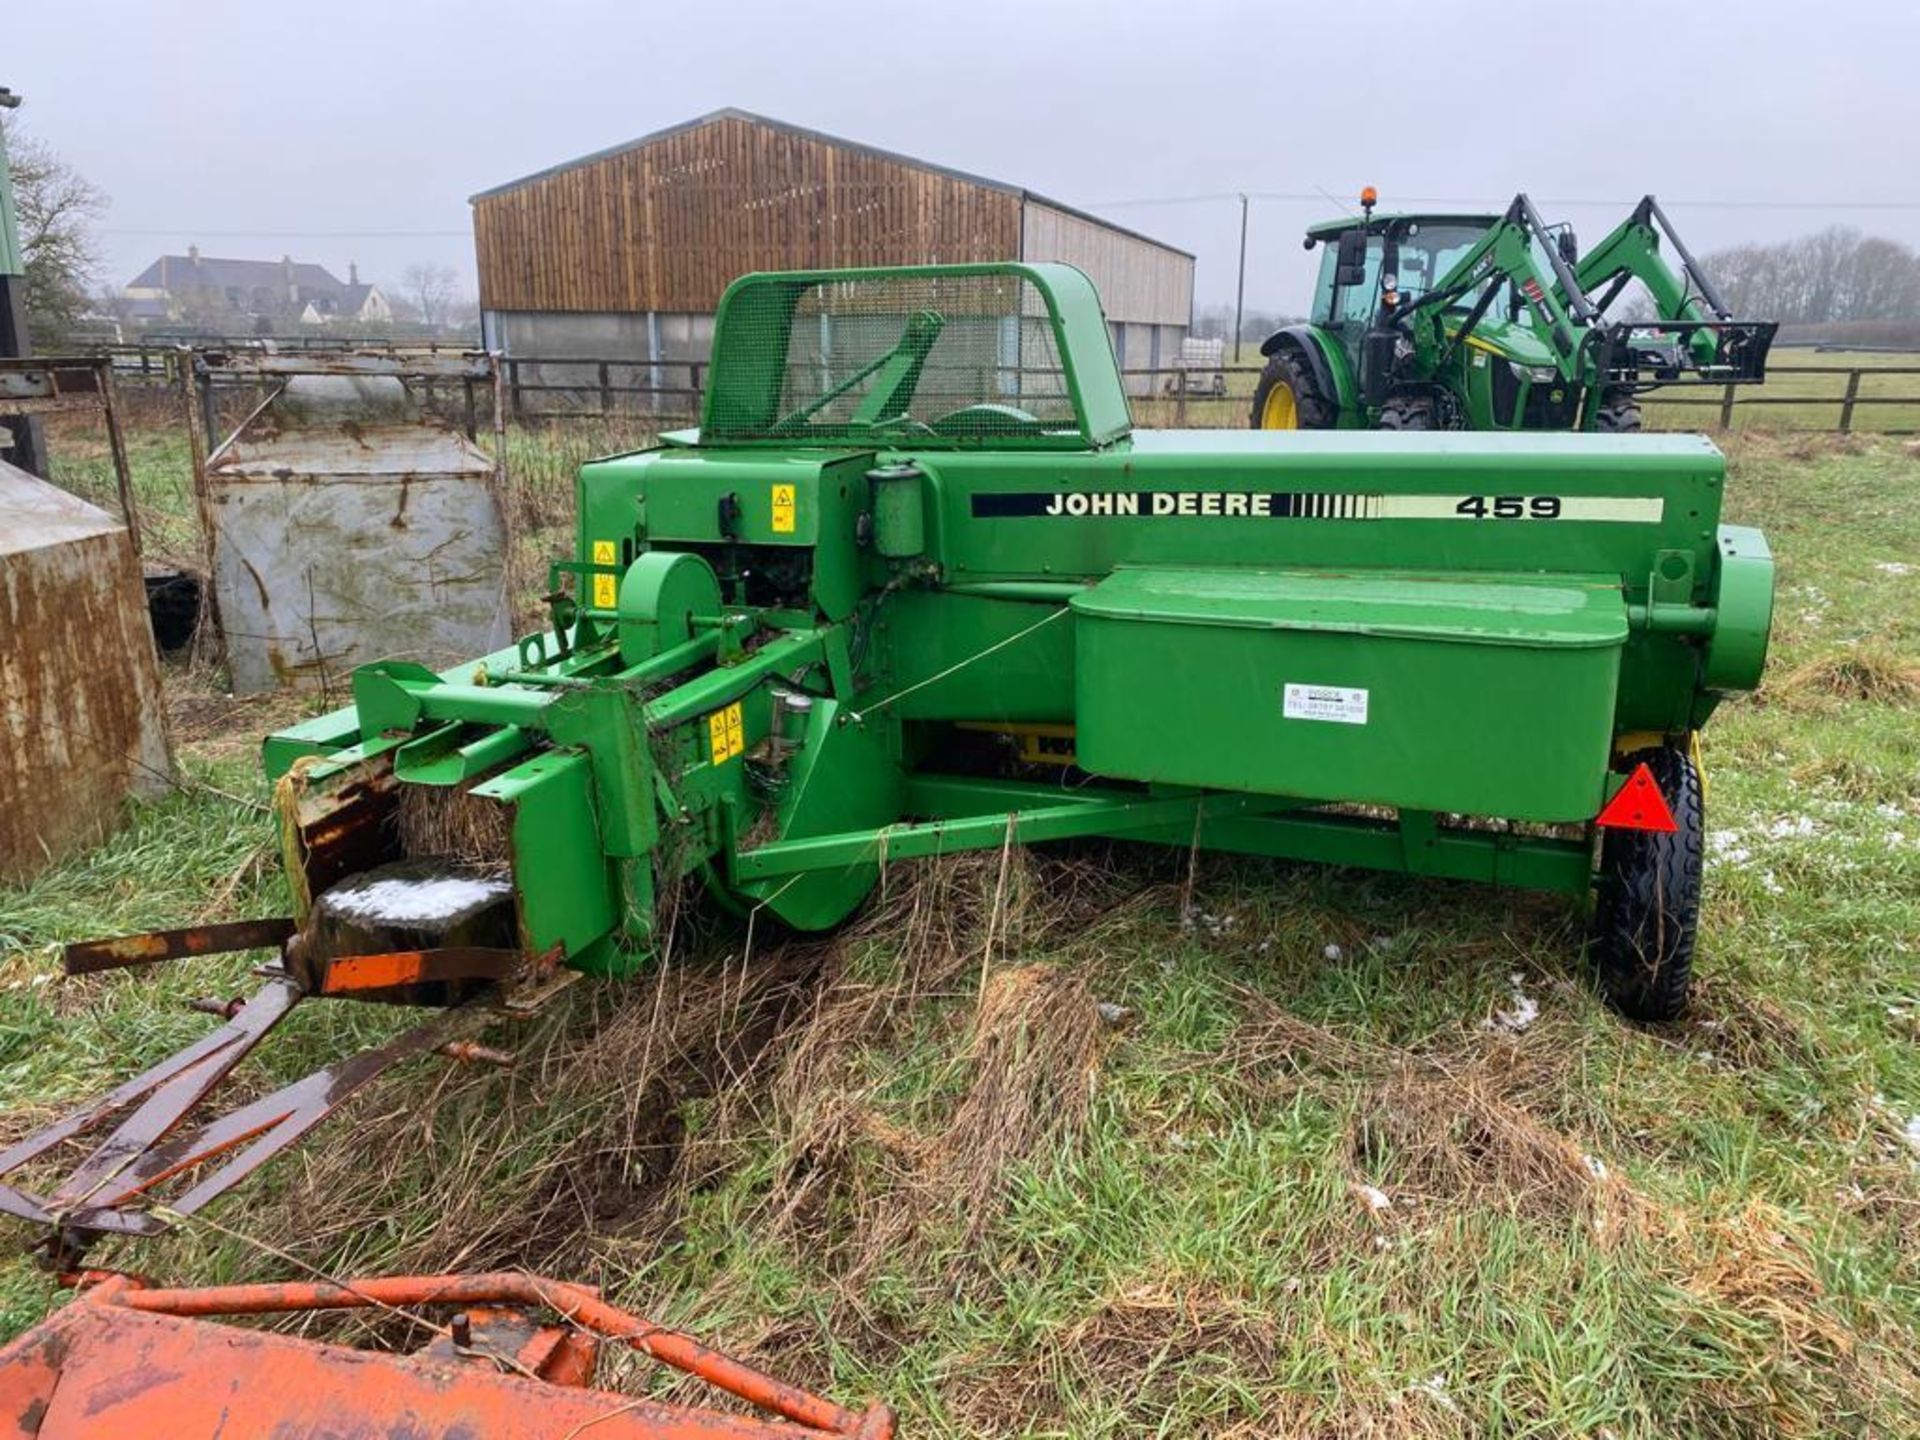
{"type": "Point", "coordinates": [1322, 311]}
{"type": "Point", "coordinates": [1429, 251]}
{"type": "Point", "coordinates": [1357, 303]}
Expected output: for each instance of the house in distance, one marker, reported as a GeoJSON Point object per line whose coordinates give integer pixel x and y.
{"type": "Point", "coordinates": [251, 296]}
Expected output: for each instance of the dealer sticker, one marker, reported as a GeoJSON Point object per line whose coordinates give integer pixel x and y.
{"type": "Point", "coordinates": [1339, 703]}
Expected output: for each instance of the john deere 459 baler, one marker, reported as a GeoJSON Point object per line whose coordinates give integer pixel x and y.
{"type": "Point", "coordinates": [915, 586]}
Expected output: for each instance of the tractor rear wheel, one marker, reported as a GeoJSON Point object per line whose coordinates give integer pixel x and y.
{"type": "Point", "coordinates": [1648, 909]}
{"type": "Point", "coordinates": [1619, 414]}
{"type": "Point", "coordinates": [1289, 398]}
{"type": "Point", "coordinates": [1407, 412]}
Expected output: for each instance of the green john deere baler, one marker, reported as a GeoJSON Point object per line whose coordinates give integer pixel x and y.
{"type": "Point", "coordinates": [915, 586]}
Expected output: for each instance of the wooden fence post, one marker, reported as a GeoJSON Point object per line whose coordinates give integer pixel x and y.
{"type": "Point", "coordinates": [1846, 403]}
{"type": "Point", "coordinates": [606, 393]}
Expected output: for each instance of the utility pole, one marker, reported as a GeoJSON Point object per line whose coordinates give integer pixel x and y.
{"type": "Point", "coordinates": [1240, 289]}
{"type": "Point", "coordinates": [23, 430]}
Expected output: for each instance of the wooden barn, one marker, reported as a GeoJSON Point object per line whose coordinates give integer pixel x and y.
{"type": "Point", "coordinates": [623, 254]}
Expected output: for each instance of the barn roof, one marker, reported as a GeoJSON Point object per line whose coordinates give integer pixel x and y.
{"type": "Point", "coordinates": [733, 113]}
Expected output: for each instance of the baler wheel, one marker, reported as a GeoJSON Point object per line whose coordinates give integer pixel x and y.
{"type": "Point", "coordinates": [1288, 397]}
{"type": "Point", "coordinates": [1619, 414]}
{"type": "Point", "coordinates": [1648, 909]}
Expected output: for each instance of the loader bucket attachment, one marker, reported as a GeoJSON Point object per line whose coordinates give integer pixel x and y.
{"type": "Point", "coordinates": [124, 1360]}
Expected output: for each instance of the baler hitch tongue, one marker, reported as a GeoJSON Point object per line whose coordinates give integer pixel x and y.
{"type": "Point", "coordinates": [116, 1186]}
{"type": "Point", "coordinates": [126, 1360]}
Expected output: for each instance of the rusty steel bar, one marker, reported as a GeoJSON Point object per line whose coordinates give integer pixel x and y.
{"type": "Point", "coordinates": [264, 1128]}
{"type": "Point", "coordinates": [190, 1072]}
{"type": "Point", "coordinates": [87, 957]}
{"type": "Point", "coordinates": [579, 1304]}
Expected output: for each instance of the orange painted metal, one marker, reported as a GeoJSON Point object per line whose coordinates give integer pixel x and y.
{"type": "Point", "coordinates": [129, 1361]}
{"type": "Point", "coordinates": [399, 969]}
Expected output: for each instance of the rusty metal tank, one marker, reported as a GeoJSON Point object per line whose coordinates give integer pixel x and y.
{"type": "Point", "coordinates": [82, 724]}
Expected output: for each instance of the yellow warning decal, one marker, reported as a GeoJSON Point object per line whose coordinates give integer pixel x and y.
{"type": "Point", "coordinates": [606, 588]}
{"type": "Point", "coordinates": [726, 733]}
{"type": "Point", "coordinates": [783, 510]}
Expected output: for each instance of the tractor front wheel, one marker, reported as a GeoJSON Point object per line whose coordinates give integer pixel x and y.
{"type": "Point", "coordinates": [1407, 412]}
{"type": "Point", "coordinates": [1288, 397]}
{"type": "Point", "coordinates": [1619, 414]}
{"type": "Point", "coordinates": [1648, 908]}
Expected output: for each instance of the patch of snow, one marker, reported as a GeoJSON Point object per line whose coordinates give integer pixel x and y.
{"type": "Point", "coordinates": [1332, 952]}
{"type": "Point", "coordinates": [1435, 1388]}
{"type": "Point", "coordinates": [397, 901]}
{"type": "Point", "coordinates": [1726, 845]}
{"type": "Point", "coordinates": [1112, 1014]}
{"type": "Point", "coordinates": [1524, 1012]}
{"type": "Point", "coordinates": [1893, 567]}
{"type": "Point", "coordinates": [1793, 827]}
{"type": "Point", "coordinates": [1373, 1198]}
{"type": "Point", "coordinates": [1596, 1167]}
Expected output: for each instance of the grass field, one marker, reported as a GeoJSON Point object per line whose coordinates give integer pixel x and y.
{"type": "Point", "coordinates": [1318, 1174]}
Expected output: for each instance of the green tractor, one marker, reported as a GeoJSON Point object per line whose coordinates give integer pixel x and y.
{"type": "Point", "coordinates": [1496, 322]}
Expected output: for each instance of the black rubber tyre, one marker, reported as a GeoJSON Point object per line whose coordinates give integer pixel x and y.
{"type": "Point", "coordinates": [1619, 414]}
{"type": "Point", "coordinates": [1311, 409]}
{"type": "Point", "coordinates": [1407, 412]}
{"type": "Point", "coordinates": [1648, 908]}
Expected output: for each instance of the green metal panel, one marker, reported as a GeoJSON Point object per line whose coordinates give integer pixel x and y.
{"type": "Point", "coordinates": [559, 869]}
{"type": "Point", "coordinates": [1333, 687]}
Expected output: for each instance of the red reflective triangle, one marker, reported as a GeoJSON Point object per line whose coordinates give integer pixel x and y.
{"type": "Point", "coordinates": [1638, 805]}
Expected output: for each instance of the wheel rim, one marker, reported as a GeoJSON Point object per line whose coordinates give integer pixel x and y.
{"type": "Point", "coordinates": [1279, 411]}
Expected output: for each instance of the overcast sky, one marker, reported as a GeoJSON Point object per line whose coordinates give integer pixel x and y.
{"type": "Point", "coordinates": [355, 131]}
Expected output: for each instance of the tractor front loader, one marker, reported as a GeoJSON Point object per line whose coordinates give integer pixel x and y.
{"type": "Point", "coordinates": [914, 587]}
{"type": "Point", "coordinates": [1496, 322]}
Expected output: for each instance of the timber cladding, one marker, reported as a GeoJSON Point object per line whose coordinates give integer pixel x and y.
{"type": "Point", "coordinates": [664, 224]}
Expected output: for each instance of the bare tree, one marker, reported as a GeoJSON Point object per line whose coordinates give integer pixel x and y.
{"type": "Point", "coordinates": [1837, 274]}
{"type": "Point", "coordinates": [56, 206]}
{"type": "Point", "coordinates": [432, 289]}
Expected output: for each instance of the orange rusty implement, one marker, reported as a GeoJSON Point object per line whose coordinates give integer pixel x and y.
{"type": "Point", "coordinates": [124, 1360]}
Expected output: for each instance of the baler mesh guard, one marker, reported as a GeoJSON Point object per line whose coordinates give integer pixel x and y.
{"type": "Point", "coordinates": [885, 357]}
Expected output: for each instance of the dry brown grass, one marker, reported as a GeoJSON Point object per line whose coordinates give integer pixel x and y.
{"type": "Point", "coordinates": [1863, 672]}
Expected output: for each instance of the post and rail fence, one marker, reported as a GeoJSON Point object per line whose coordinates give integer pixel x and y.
{"type": "Point", "coordinates": [557, 389]}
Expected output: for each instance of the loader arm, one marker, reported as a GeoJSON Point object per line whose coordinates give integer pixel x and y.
{"type": "Point", "coordinates": [1632, 252]}
{"type": "Point", "coordinates": [1717, 347]}
{"type": "Point", "coordinates": [1506, 255]}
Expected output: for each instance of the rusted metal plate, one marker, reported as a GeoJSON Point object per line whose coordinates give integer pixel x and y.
{"type": "Point", "coordinates": [127, 1361]}
{"type": "Point", "coordinates": [81, 720]}
{"type": "Point", "coordinates": [86, 957]}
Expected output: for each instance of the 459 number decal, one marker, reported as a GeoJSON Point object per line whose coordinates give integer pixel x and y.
{"type": "Point", "coordinates": [1511, 507]}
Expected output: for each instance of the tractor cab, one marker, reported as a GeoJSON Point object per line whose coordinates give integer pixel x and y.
{"type": "Point", "coordinates": [1372, 264]}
